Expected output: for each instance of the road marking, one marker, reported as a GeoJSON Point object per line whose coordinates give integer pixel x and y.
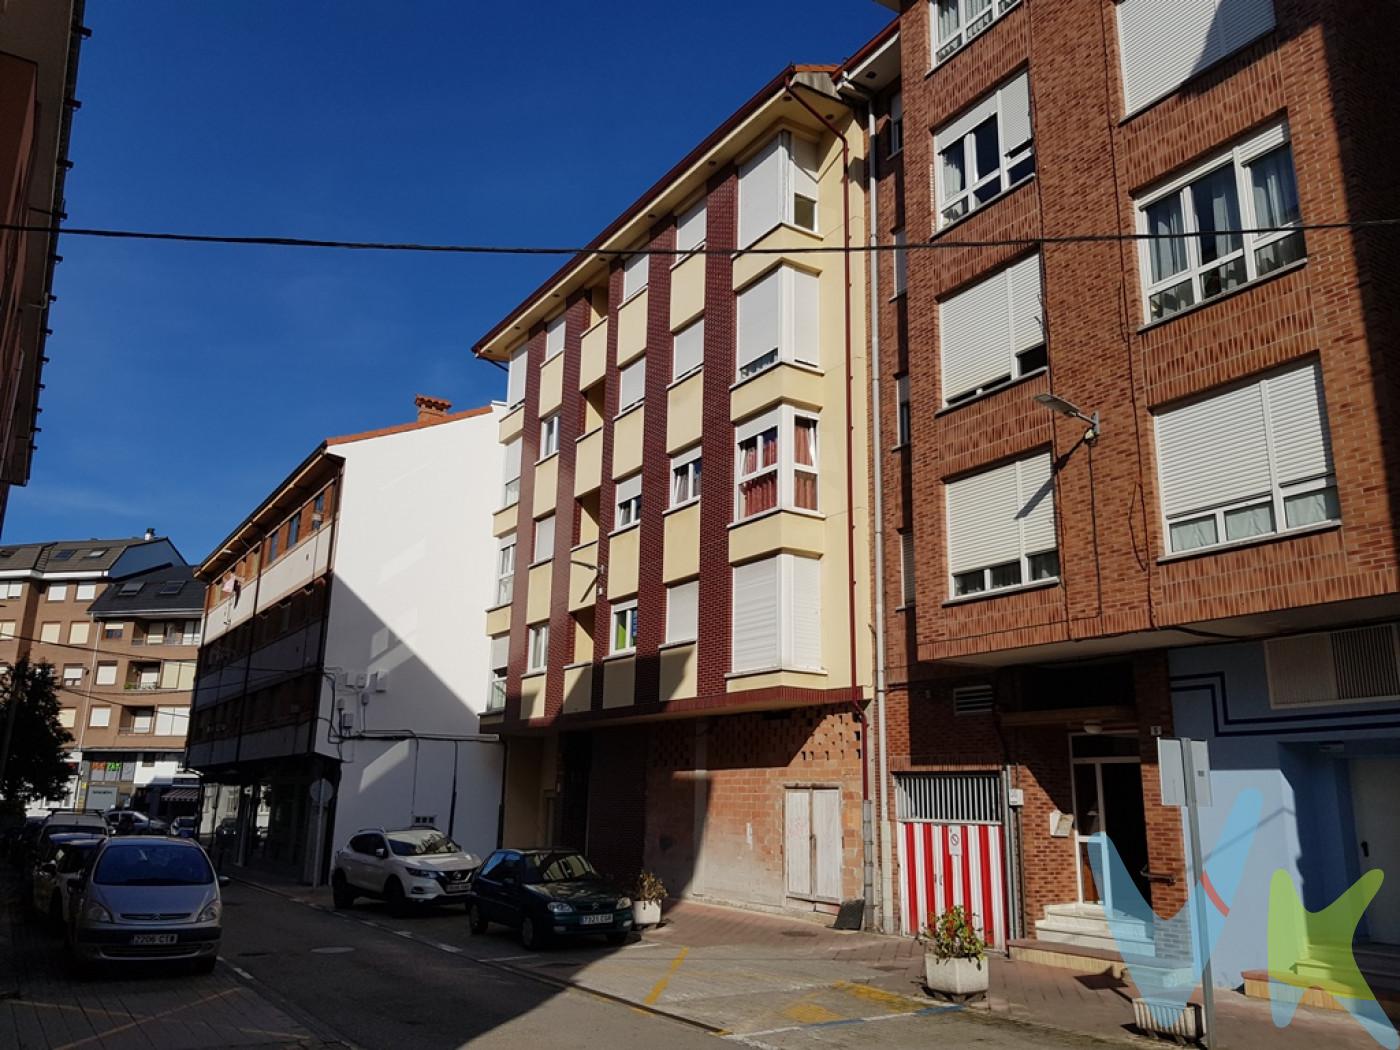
{"type": "Point", "coordinates": [641, 944]}
{"type": "Point", "coordinates": [660, 986]}
{"type": "Point", "coordinates": [892, 1000]}
{"type": "Point", "coordinates": [805, 1013]}
{"type": "Point", "coordinates": [332, 950]}
{"type": "Point", "coordinates": [240, 971]}
{"type": "Point", "coordinates": [750, 1037]}
{"type": "Point", "coordinates": [451, 948]}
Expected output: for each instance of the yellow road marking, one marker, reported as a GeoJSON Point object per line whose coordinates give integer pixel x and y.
{"type": "Point", "coordinates": [810, 1013]}
{"type": "Point", "coordinates": [892, 1000]}
{"type": "Point", "coordinates": [660, 986]}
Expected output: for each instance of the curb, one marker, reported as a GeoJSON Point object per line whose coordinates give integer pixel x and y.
{"type": "Point", "coordinates": [519, 971]}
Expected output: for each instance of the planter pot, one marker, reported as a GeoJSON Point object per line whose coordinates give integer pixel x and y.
{"type": "Point", "coordinates": [646, 913]}
{"type": "Point", "coordinates": [956, 977]}
{"type": "Point", "coordinates": [1159, 1018]}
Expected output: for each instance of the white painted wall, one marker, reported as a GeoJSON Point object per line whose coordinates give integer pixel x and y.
{"type": "Point", "coordinates": [414, 562]}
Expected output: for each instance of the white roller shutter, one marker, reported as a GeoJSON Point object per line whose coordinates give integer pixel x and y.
{"type": "Point", "coordinates": [1213, 452]}
{"type": "Point", "coordinates": [634, 274]}
{"type": "Point", "coordinates": [806, 161]}
{"type": "Point", "coordinates": [1164, 42]}
{"type": "Point", "coordinates": [554, 337]}
{"type": "Point", "coordinates": [690, 228]}
{"type": "Point", "coordinates": [761, 317]}
{"type": "Point", "coordinates": [512, 459]}
{"type": "Point", "coordinates": [544, 539]}
{"type": "Point", "coordinates": [1015, 113]}
{"type": "Point", "coordinates": [761, 205]}
{"type": "Point", "coordinates": [1298, 425]}
{"type": "Point", "coordinates": [688, 350]}
{"type": "Point", "coordinates": [632, 384]}
{"type": "Point", "coordinates": [805, 617]}
{"type": "Point", "coordinates": [1023, 291]}
{"type": "Point", "coordinates": [806, 317]}
{"type": "Point", "coordinates": [682, 617]}
{"type": "Point", "coordinates": [983, 528]}
{"type": "Point", "coordinates": [956, 129]}
{"type": "Point", "coordinates": [1037, 509]}
{"type": "Point", "coordinates": [515, 381]}
{"type": "Point", "coordinates": [974, 330]}
{"type": "Point", "coordinates": [500, 651]}
{"type": "Point", "coordinates": [755, 617]}
{"type": "Point", "coordinates": [629, 488]}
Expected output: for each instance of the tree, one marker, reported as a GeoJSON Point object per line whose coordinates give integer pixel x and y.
{"type": "Point", "coordinates": [33, 747]}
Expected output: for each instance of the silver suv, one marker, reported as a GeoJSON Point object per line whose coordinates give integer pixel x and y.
{"type": "Point", "coordinates": [146, 898]}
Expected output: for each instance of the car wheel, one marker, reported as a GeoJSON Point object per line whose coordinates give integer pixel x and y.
{"type": "Point", "coordinates": [393, 896]}
{"type": "Point", "coordinates": [475, 920]}
{"type": "Point", "coordinates": [341, 896]}
{"type": "Point", "coordinates": [205, 965]}
{"type": "Point", "coordinates": [530, 936]}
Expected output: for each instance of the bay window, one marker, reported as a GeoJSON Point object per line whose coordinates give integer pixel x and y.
{"type": "Point", "coordinates": [985, 152]}
{"type": "Point", "coordinates": [624, 627]}
{"type": "Point", "coordinates": [778, 185]}
{"type": "Point", "coordinates": [778, 321]}
{"type": "Point", "coordinates": [777, 614]}
{"type": "Point", "coordinates": [777, 465]}
{"type": "Point", "coordinates": [1001, 527]}
{"type": "Point", "coordinates": [685, 477]}
{"type": "Point", "coordinates": [1194, 249]}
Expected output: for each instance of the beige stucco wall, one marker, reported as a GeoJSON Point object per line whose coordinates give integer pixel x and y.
{"type": "Point", "coordinates": [541, 582]}
{"type": "Point", "coordinates": [783, 531]}
{"type": "Point", "coordinates": [794, 384]}
{"type": "Point", "coordinates": [678, 670]}
{"type": "Point", "coordinates": [632, 329]}
{"type": "Point", "coordinates": [504, 520]}
{"type": "Point", "coordinates": [593, 357]}
{"type": "Point", "coordinates": [546, 486]}
{"type": "Point", "coordinates": [583, 591]}
{"type": "Point", "coordinates": [685, 404]}
{"type": "Point", "coordinates": [512, 424]}
{"type": "Point", "coordinates": [622, 563]}
{"type": "Point", "coordinates": [578, 687]}
{"type": "Point", "coordinates": [551, 385]}
{"type": "Point", "coordinates": [687, 291]}
{"type": "Point", "coordinates": [620, 681]}
{"type": "Point", "coordinates": [771, 679]}
{"type": "Point", "coordinates": [681, 558]}
{"type": "Point", "coordinates": [532, 696]}
{"type": "Point", "coordinates": [588, 463]}
{"type": "Point", "coordinates": [627, 443]}
{"type": "Point", "coordinates": [498, 621]}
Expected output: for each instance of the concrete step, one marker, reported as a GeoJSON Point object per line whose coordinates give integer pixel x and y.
{"type": "Point", "coordinates": [1085, 934]}
{"type": "Point", "coordinates": [1380, 964]}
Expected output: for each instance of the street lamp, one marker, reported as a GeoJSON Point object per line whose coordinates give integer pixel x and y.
{"type": "Point", "coordinates": [1058, 404]}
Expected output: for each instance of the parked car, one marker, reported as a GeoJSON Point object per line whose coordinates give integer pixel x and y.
{"type": "Point", "coordinates": [183, 827]}
{"type": "Point", "coordinates": [145, 898]}
{"type": "Point", "coordinates": [19, 837]}
{"type": "Point", "coordinates": [132, 822]}
{"type": "Point", "coordinates": [55, 874]}
{"type": "Point", "coordinates": [547, 893]}
{"type": "Point", "coordinates": [404, 868]}
{"type": "Point", "coordinates": [60, 822]}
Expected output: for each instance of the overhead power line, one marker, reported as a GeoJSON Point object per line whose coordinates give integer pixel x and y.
{"type": "Point", "coordinates": [939, 243]}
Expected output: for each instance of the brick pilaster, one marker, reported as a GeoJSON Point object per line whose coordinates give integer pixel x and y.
{"type": "Point", "coordinates": [607, 491]}
{"type": "Point", "coordinates": [524, 527]}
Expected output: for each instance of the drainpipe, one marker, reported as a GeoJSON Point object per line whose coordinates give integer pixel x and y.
{"type": "Point", "coordinates": [869, 879]}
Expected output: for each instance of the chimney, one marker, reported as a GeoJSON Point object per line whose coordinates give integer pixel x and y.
{"type": "Point", "coordinates": [150, 534]}
{"type": "Point", "coordinates": [431, 409]}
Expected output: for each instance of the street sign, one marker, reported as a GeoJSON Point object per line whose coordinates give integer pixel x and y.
{"type": "Point", "coordinates": [1171, 766]}
{"type": "Point", "coordinates": [321, 791]}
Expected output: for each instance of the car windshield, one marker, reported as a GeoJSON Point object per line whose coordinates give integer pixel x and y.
{"type": "Point", "coordinates": [153, 864]}
{"type": "Point", "coordinates": [558, 867]}
{"type": "Point", "coordinates": [419, 842]}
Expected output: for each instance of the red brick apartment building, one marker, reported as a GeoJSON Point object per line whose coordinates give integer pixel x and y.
{"type": "Point", "coordinates": [39, 42]}
{"type": "Point", "coordinates": [1216, 556]}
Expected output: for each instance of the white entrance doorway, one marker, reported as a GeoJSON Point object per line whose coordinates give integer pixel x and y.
{"type": "Point", "coordinates": [812, 843]}
{"type": "Point", "coordinates": [1107, 791]}
{"type": "Point", "coordinates": [1375, 807]}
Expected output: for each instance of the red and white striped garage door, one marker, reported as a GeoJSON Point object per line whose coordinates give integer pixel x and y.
{"type": "Point", "coordinates": [958, 859]}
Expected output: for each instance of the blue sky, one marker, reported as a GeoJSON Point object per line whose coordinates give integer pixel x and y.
{"type": "Point", "coordinates": [186, 380]}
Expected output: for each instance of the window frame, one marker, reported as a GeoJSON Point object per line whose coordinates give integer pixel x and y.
{"type": "Point", "coordinates": [793, 332]}
{"type": "Point", "coordinates": [701, 209]}
{"type": "Point", "coordinates": [901, 264]}
{"type": "Point", "coordinates": [696, 327]}
{"type": "Point", "coordinates": [549, 436]}
{"type": "Point", "coordinates": [896, 125]}
{"type": "Point", "coordinates": [782, 419]}
{"type": "Point", "coordinates": [537, 644]}
{"type": "Point", "coordinates": [630, 267]}
{"type": "Point", "coordinates": [538, 555]}
{"type": "Point", "coordinates": [628, 506]}
{"type": "Point", "coordinates": [623, 613]}
{"type": "Point", "coordinates": [1015, 360]}
{"type": "Point", "coordinates": [510, 486]}
{"type": "Point", "coordinates": [966, 32]}
{"type": "Point", "coordinates": [505, 580]}
{"type": "Point", "coordinates": [689, 463]}
{"type": "Point", "coordinates": [1239, 157]}
{"type": "Point", "coordinates": [632, 368]}
{"type": "Point", "coordinates": [904, 413]}
{"type": "Point", "coordinates": [56, 592]}
{"type": "Point", "coordinates": [792, 179]}
{"type": "Point", "coordinates": [1025, 558]}
{"type": "Point", "coordinates": [1008, 158]}
{"type": "Point", "coordinates": [554, 332]}
{"type": "Point", "coordinates": [692, 587]}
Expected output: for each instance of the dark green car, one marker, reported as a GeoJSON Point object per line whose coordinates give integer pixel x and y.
{"type": "Point", "coordinates": [547, 893]}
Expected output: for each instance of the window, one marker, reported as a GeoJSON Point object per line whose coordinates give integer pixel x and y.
{"type": "Point", "coordinates": [688, 350]}
{"type": "Point", "coordinates": [1276, 476]}
{"type": "Point", "coordinates": [14, 590]}
{"type": "Point", "coordinates": [690, 228]}
{"type": "Point", "coordinates": [634, 275]}
{"type": "Point", "coordinates": [554, 337]}
{"type": "Point", "coordinates": [905, 421]}
{"type": "Point", "coordinates": [957, 22]}
{"type": "Point", "coordinates": [155, 633]}
{"type": "Point", "coordinates": [1163, 43]}
{"type": "Point", "coordinates": [682, 611]}
{"type": "Point", "coordinates": [67, 717]}
{"type": "Point", "coordinates": [631, 385]}
{"type": "Point", "coordinates": [173, 674]}
{"type": "Point", "coordinates": [84, 592]}
{"type": "Point", "coordinates": [271, 552]}
{"type": "Point", "coordinates": [906, 567]}
{"type": "Point", "coordinates": [500, 664]}
{"type": "Point", "coordinates": [1195, 250]}
{"type": "Point", "coordinates": [99, 717]}
{"type": "Point", "coordinates": [629, 502]}
{"type": "Point", "coordinates": [63, 555]}
{"type": "Point", "coordinates": [510, 491]}
{"type": "Point", "coordinates": [505, 570]}
{"type": "Point", "coordinates": [172, 721]}
{"type": "Point", "coordinates": [778, 185]}
{"type": "Point", "coordinates": [539, 647]}
{"type": "Point", "coordinates": [549, 436]}
{"type": "Point", "coordinates": [142, 720]}
{"type": "Point", "coordinates": [777, 463]}
{"type": "Point", "coordinates": [992, 332]}
{"type": "Point", "coordinates": [685, 477]}
{"type": "Point", "coordinates": [113, 630]}
{"type": "Point", "coordinates": [72, 674]}
{"type": "Point", "coordinates": [129, 590]}
{"type": "Point", "coordinates": [50, 632]}
{"type": "Point", "coordinates": [515, 377]}
{"type": "Point", "coordinates": [96, 552]}
{"type": "Point", "coordinates": [896, 128]}
{"type": "Point", "coordinates": [318, 512]}
{"type": "Point", "coordinates": [293, 530]}
{"type": "Point", "coordinates": [7, 629]}
{"type": "Point", "coordinates": [778, 321]}
{"type": "Point", "coordinates": [901, 264]}
{"type": "Point", "coordinates": [56, 592]}
{"type": "Point", "coordinates": [1001, 527]}
{"type": "Point", "coordinates": [78, 632]}
{"type": "Point", "coordinates": [777, 614]}
{"type": "Point", "coordinates": [985, 152]}
{"type": "Point", "coordinates": [170, 588]}
{"type": "Point", "coordinates": [544, 539]}
{"type": "Point", "coordinates": [190, 633]}
{"type": "Point", "coordinates": [624, 627]}
{"type": "Point", "coordinates": [106, 674]}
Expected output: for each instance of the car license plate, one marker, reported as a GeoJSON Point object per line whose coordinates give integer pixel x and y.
{"type": "Point", "coordinates": [595, 920]}
{"type": "Point", "coordinates": [154, 938]}
{"type": "Point", "coordinates": [456, 887]}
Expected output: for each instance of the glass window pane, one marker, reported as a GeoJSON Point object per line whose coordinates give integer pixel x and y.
{"type": "Point", "coordinates": [1007, 575]}
{"type": "Point", "coordinates": [984, 147]}
{"type": "Point", "coordinates": [1310, 508]}
{"type": "Point", "coordinates": [970, 582]}
{"type": "Point", "coordinates": [1249, 521]}
{"type": "Point", "coordinates": [954, 170]}
{"type": "Point", "coordinates": [1167, 250]}
{"type": "Point", "coordinates": [1275, 191]}
{"type": "Point", "coordinates": [948, 21]}
{"type": "Point", "coordinates": [1223, 278]}
{"type": "Point", "coordinates": [1190, 535]}
{"type": "Point", "coordinates": [1275, 254]}
{"type": "Point", "coordinates": [1045, 566]}
{"type": "Point", "coordinates": [1171, 300]}
{"type": "Point", "coordinates": [1217, 206]}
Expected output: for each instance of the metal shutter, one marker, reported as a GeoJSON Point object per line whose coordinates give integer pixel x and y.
{"type": "Point", "coordinates": [1164, 42]}
{"type": "Point", "coordinates": [761, 192]}
{"type": "Point", "coordinates": [974, 329]}
{"type": "Point", "coordinates": [983, 528]}
{"type": "Point", "coordinates": [632, 384]}
{"type": "Point", "coordinates": [806, 317]}
{"type": "Point", "coordinates": [955, 130]}
{"type": "Point", "coordinates": [554, 337]}
{"type": "Point", "coordinates": [1213, 452]}
{"type": "Point", "coordinates": [689, 349]}
{"type": "Point", "coordinates": [515, 381]}
{"type": "Point", "coordinates": [500, 651]}
{"type": "Point", "coordinates": [1237, 22]}
{"type": "Point", "coordinates": [512, 459]}
{"type": "Point", "coordinates": [681, 611]}
{"type": "Point", "coordinates": [755, 630]}
{"type": "Point", "coordinates": [1015, 105]}
{"type": "Point", "coordinates": [1024, 294]}
{"type": "Point", "coordinates": [544, 538]}
{"type": "Point", "coordinates": [761, 317]}
{"type": "Point", "coordinates": [806, 160]}
{"type": "Point", "coordinates": [1037, 504]}
{"type": "Point", "coordinates": [690, 228]}
{"type": "Point", "coordinates": [634, 274]}
{"type": "Point", "coordinates": [806, 611]}
{"type": "Point", "coordinates": [629, 488]}
{"type": "Point", "coordinates": [1298, 425]}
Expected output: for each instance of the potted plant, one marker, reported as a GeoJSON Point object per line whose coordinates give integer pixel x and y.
{"type": "Point", "coordinates": [955, 955]}
{"type": "Point", "coordinates": [646, 899]}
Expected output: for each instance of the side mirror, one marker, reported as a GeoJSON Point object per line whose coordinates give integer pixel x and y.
{"type": "Point", "coordinates": [381, 853]}
{"type": "Point", "coordinates": [224, 880]}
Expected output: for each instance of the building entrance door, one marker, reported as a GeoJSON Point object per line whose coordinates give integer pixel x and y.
{"type": "Point", "coordinates": [1375, 808]}
{"type": "Point", "coordinates": [812, 841]}
{"type": "Point", "coordinates": [1107, 806]}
